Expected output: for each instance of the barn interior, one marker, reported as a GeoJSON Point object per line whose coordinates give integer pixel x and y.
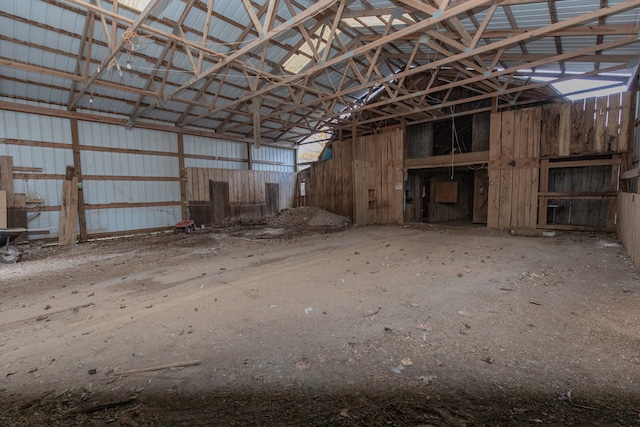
{"type": "Point", "coordinates": [478, 175]}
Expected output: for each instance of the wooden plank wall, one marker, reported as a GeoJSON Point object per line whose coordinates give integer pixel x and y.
{"type": "Point", "coordinates": [379, 179]}
{"type": "Point", "coordinates": [364, 180]}
{"type": "Point", "coordinates": [628, 230]}
{"type": "Point", "coordinates": [329, 184]}
{"type": "Point", "coordinates": [246, 187]}
{"type": "Point", "coordinates": [590, 126]}
{"type": "Point", "coordinates": [514, 169]}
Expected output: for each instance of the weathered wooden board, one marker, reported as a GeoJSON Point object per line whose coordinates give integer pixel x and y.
{"type": "Point", "coordinates": [246, 188]}
{"type": "Point", "coordinates": [272, 196]}
{"type": "Point", "coordinates": [628, 230]}
{"type": "Point", "coordinates": [3, 209]}
{"type": "Point", "coordinates": [613, 123]}
{"type": "Point", "coordinates": [564, 132]}
{"type": "Point", "coordinates": [378, 178]}
{"type": "Point", "coordinates": [591, 126]}
{"type": "Point", "coordinates": [514, 168]}
{"type": "Point", "coordinates": [330, 182]}
{"type": "Point", "coordinates": [601, 139]}
{"type": "Point", "coordinates": [446, 192]}
{"type": "Point", "coordinates": [219, 199]}
{"type": "Point", "coordinates": [68, 231]}
{"type": "Point", "coordinates": [495, 150]}
{"type": "Point", "coordinates": [6, 178]}
{"type": "Point", "coordinates": [480, 196]}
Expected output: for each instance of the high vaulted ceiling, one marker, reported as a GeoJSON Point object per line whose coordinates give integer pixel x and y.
{"type": "Point", "coordinates": [280, 70]}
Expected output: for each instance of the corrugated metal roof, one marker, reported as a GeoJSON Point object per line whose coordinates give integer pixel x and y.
{"type": "Point", "coordinates": [43, 49]}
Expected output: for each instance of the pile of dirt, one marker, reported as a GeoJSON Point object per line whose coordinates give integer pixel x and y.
{"type": "Point", "coordinates": [307, 216]}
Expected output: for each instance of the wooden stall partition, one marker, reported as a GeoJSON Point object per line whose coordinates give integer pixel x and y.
{"type": "Point", "coordinates": [329, 184]}
{"type": "Point", "coordinates": [514, 169]}
{"type": "Point", "coordinates": [378, 179]}
{"type": "Point", "coordinates": [220, 208]}
{"type": "Point", "coordinates": [579, 193]}
{"type": "Point", "coordinates": [219, 194]}
{"type": "Point", "coordinates": [628, 220]}
{"type": "Point", "coordinates": [495, 152]}
{"type": "Point", "coordinates": [480, 196]}
{"type": "Point", "coordinates": [589, 126]}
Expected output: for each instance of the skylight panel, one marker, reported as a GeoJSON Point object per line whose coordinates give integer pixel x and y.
{"type": "Point", "coordinates": [303, 56]}
{"type": "Point", "coordinates": [138, 5]}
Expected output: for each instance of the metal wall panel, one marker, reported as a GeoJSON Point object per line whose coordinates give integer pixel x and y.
{"type": "Point", "coordinates": [34, 127]}
{"type": "Point", "coordinates": [53, 161]}
{"type": "Point", "coordinates": [272, 168]}
{"type": "Point", "coordinates": [125, 219]}
{"type": "Point", "coordinates": [215, 147]}
{"type": "Point", "coordinates": [273, 155]}
{"type": "Point", "coordinates": [105, 135]}
{"type": "Point", "coordinates": [104, 192]}
{"type": "Point", "coordinates": [215, 164]}
{"type": "Point", "coordinates": [110, 170]}
{"type": "Point", "coordinates": [123, 164]}
{"type": "Point", "coordinates": [113, 164]}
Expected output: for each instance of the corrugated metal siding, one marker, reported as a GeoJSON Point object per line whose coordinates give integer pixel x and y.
{"type": "Point", "coordinates": [123, 219]}
{"type": "Point", "coordinates": [34, 127]}
{"type": "Point", "coordinates": [109, 152]}
{"type": "Point", "coordinates": [127, 164]}
{"type": "Point", "coordinates": [104, 135]}
{"type": "Point", "coordinates": [215, 164]}
{"type": "Point", "coordinates": [53, 161]}
{"type": "Point", "coordinates": [214, 147]}
{"type": "Point", "coordinates": [104, 192]}
{"type": "Point", "coordinates": [286, 156]}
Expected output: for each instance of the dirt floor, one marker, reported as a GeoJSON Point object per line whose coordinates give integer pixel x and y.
{"type": "Point", "coordinates": [289, 323]}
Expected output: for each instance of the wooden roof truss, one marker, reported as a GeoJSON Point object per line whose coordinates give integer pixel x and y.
{"type": "Point", "coordinates": [280, 70]}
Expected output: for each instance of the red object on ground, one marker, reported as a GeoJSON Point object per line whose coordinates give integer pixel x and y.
{"type": "Point", "coordinates": [187, 226]}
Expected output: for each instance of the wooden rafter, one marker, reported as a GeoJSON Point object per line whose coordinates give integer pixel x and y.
{"type": "Point", "coordinates": [508, 71]}
{"type": "Point", "coordinates": [372, 53]}
{"type": "Point", "coordinates": [116, 48]}
{"type": "Point", "coordinates": [300, 18]}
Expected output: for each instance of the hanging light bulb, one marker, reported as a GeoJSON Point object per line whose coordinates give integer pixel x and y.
{"type": "Point", "coordinates": [128, 65]}
{"type": "Point", "coordinates": [91, 99]}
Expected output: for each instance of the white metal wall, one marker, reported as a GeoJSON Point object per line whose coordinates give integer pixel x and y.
{"type": "Point", "coordinates": [218, 152]}
{"type": "Point", "coordinates": [120, 166]}
{"type": "Point", "coordinates": [53, 161]}
{"type": "Point", "coordinates": [110, 177]}
{"type": "Point", "coordinates": [284, 157]}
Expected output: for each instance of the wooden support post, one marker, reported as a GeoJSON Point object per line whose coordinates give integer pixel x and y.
{"type": "Point", "coordinates": [6, 178]}
{"type": "Point", "coordinates": [249, 156]}
{"type": "Point", "coordinates": [184, 202]}
{"type": "Point", "coordinates": [544, 188]}
{"type": "Point", "coordinates": [3, 209]}
{"type": "Point", "coordinates": [18, 215]}
{"type": "Point", "coordinates": [77, 164]}
{"type": "Point", "coordinates": [68, 234]}
{"type": "Point", "coordinates": [356, 177]}
{"type": "Point", "coordinates": [615, 186]}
